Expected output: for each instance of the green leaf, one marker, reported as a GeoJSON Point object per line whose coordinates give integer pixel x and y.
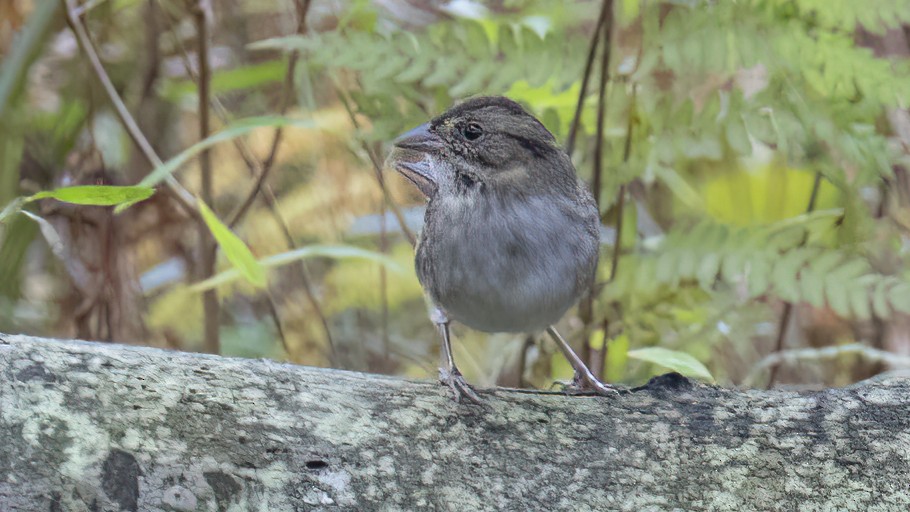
{"type": "Point", "coordinates": [97, 195]}
{"type": "Point", "coordinates": [310, 251]}
{"type": "Point", "coordinates": [234, 249]}
{"type": "Point", "coordinates": [234, 130]}
{"type": "Point", "coordinates": [674, 360]}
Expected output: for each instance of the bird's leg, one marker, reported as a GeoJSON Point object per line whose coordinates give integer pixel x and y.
{"type": "Point", "coordinates": [448, 372]}
{"type": "Point", "coordinates": [584, 379]}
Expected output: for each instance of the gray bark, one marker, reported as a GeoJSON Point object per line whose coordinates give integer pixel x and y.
{"type": "Point", "coordinates": [86, 426]}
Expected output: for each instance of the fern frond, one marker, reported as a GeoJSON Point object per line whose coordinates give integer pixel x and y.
{"type": "Point", "coordinates": [766, 261]}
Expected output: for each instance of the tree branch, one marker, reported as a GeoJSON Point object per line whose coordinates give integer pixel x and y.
{"type": "Point", "coordinates": [113, 427]}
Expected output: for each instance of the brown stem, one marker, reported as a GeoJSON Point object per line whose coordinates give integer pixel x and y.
{"type": "Point", "coordinates": [601, 102]}
{"type": "Point", "coordinates": [788, 306]}
{"type": "Point", "coordinates": [303, 7]}
{"type": "Point", "coordinates": [621, 195]}
{"type": "Point", "coordinates": [183, 197]}
{"type": "Point", "coordinates": [377, 168]}
{"type": "Point", "coordinates": [211, 343]}
{"type": "Point", "coordinates": [589, 65]}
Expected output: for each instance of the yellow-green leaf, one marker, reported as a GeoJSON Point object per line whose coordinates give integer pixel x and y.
{"type": "Point", "coordinates": [234, 249]}
{"type": "Point", "coordinates": [97, 195]}
{"type": "Point", "coordinates": [674, 360]}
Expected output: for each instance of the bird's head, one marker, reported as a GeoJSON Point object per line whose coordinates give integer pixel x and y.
{"type": "Point", "coordinates": [483, 142]}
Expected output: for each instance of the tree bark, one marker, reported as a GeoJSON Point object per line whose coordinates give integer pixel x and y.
{"type": "Point", "coordinates": [97, 427]}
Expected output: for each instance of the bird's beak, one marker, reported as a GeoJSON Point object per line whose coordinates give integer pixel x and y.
{"type": "Point", "coordinates": [414, 157]}
{"type": "Point", "coordinates": [419, 139]}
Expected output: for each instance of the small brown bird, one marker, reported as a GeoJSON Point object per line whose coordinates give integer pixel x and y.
{"type": "Point", "coordinates": [510, 237]}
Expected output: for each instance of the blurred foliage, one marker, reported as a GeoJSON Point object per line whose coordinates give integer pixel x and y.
{"type": "Point", "coordinates": [740, 112]}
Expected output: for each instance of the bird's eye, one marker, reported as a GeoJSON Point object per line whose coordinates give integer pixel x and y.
{"type": "Point", "coordinates": [472, 131]}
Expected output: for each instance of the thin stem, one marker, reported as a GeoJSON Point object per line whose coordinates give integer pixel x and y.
{"type": "Point", "coordinates": [377, 168]}
{"type": "Point", "coordinates": [601, 102]}
{"type": "Point", "coordinates": [303, 7]}
{"type": "Point", "coordinates": [383, 282]}
{"type": "Point", "coordinates": [207, 245]}
{"type": "Point", "coordinates": [589, 65]}
{"type": "Point", "coordinates": [586, 310]}
{"type": "Point", "coordinates": [621, 195]}
{"type": "Point", "coordinates": [788, 306]}
{"type": "Point", "coordinates": [180, 194]}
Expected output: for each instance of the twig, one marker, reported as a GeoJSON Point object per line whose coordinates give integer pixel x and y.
{"type": "Point", "coordinates": [788, 306]}
{"type": "Point", "coordinates": [621, 195]}
{"type": "Point", "coordinates": [586, 311]}
{"type": "Point", "coordinates": [287, 94]}
{"type": "Point", "coordinates": [377, 168]}
{"type": "Point", "coordinates": [183, 197]}
{"type": "Point", "coordinates": [601, 102]}
{"type": "Point", "coordinates": [589, 65]}
{"type": "Point", "coordinates": [207, 245]}
{"type": "Point", "coordinates": [873, 355]}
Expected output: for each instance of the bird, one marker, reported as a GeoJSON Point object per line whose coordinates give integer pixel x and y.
{"type": "Point", "coordinates": [510, 236]}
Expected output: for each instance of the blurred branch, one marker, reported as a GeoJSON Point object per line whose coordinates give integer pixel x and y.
{"type": "Point", "coordinates": [607, 28]}
{"type": "Point", "coordinates": [788, 306]}
{"type": "Point", "coordinates": [303, 7]}
{"type": "Point", "coordinates": [605, 23]}
{"type": "Point", "coordinates": [183, 197]}
{"type": "Point", "coordinates": [207, 247]}
{"type": "Point", "coordinates": [621, 195]}
{"type": "Point", "coordinates": [606, 6]}
{"type": "Point", "coordinates": [598, 357]}
{"type": "Point", "coordinates": [377, 168]}
{"type": "Point", "coordinates": [873, 355]}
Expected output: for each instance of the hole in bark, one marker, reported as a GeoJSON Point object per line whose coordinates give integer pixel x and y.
{"type": "Point", "coordinates": [241, 440]}
{"type": "Point", "coordinates": [316, 464]}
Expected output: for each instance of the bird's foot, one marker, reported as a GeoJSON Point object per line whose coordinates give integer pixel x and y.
{"type": "Point", "coordinates": [582, 385]}
{"type": "Point", "coordinates": [459, 386]}
{"type": "Point", "coordinates": [590, 384]}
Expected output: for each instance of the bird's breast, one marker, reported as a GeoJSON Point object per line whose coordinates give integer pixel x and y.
{"type": "Point", "coordinates": [507, 265]}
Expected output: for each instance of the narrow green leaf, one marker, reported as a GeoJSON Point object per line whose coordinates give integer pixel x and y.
{"type": "Point", "coordinates": [234, 249]}
{"type": "Point", "coordinates": [674, 360]}
{"type": "Point", "coordinates": [97, 195]}
{"type": "Point", "coordinates": [310, 251]}
{"type": "Point", "coordinates": [234, 130]}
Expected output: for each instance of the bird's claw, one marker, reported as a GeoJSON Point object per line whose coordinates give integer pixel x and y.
{"type": "Point", "coordinates": [459, 386]}
{"type": "Point", "coordinates": [590, 384]}
{"type": "Point", "coordinates": [583, 386]}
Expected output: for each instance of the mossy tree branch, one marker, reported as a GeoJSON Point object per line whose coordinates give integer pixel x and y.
{"type": "Point", "coordinates": [91, 426]}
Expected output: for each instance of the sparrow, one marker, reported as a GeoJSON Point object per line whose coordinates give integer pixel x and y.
{"type": "Point", "coordinates": [510, 236]}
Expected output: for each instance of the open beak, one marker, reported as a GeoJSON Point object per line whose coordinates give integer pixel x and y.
{"type": "Point", "coordinates": [415, 156]}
